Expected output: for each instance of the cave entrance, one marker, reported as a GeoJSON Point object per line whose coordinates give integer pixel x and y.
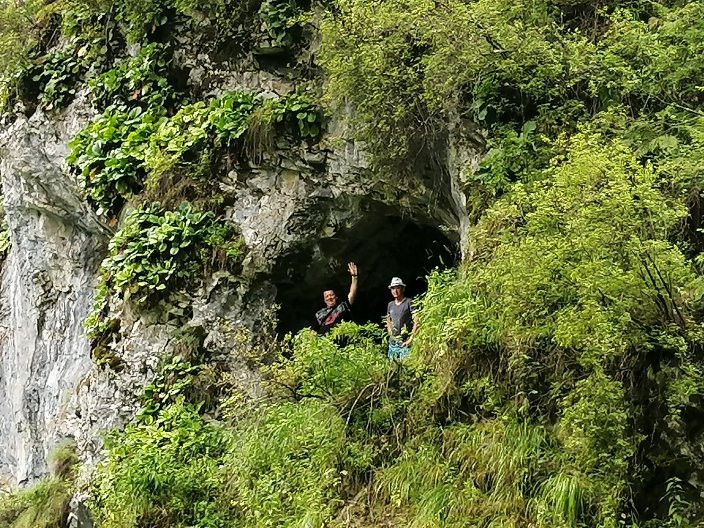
{"type": "Point", "coordinates": [383, 247]}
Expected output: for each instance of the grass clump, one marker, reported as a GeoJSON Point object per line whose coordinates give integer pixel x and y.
{"type": "Point", "coordinates": [46, 503]}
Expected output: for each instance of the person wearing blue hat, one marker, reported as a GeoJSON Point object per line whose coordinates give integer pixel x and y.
{"type": "Point", "coordinates": [400, 322]}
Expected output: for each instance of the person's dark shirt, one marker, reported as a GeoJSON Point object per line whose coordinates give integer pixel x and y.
{"type": "Point", "coordinates": [327, 318]}
{"type": "Point", "coordinates": [401, 317]}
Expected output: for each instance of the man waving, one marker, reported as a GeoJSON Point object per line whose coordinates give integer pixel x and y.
{"type": "Point", "coordinates": [336, 309]}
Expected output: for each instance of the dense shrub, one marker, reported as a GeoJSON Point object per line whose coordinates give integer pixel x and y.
{"type": "Point", "coordinates": [164, 474]}
{"type": "Point", "coordinates": [109, 155]}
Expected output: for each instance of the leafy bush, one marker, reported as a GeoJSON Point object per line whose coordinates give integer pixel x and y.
{"type": "Point", "coordinates": [608, 289]}
{"type": "Point", "coordinates": [64, 42]}
{"type": "Point", "coordinates": [174, 377]}
{"type": "Point", "coordinates": [320, 368]}
{"type": "Point", "coordinates": [141, 80]}
{"type": "Point", "coordinates": [164, 474]}
{"type": "Point", "coordinates": [144, 20]}
{"type": "Point", "coordinates": [159, 252]}
{"type": "Point", "coordinates": [109, 155]}
{"type": "Point", "coordinates": [17, 37]}
{"type": "Point", "coordinates": [299, 113]}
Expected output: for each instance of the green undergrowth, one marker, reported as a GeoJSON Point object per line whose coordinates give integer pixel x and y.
{"type": "Point", "coordinates": [46, 503]}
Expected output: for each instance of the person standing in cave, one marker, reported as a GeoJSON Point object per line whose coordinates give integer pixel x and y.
{"type": "Point", "coordinates": [337, 310]}
{"type": "Point", "coordinates": [400, 321]}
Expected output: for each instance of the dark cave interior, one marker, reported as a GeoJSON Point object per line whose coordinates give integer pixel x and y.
{"type": "Point", "coordinates": [382, 246]}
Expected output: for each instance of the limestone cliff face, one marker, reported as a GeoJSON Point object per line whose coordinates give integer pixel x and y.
{"type": "Point", "coordinates": [47, 285]}
{"type": "Point", "coordinates": [299, 199]}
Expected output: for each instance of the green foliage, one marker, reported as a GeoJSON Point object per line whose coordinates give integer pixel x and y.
{"type": "Point", "coordinates": [174, 378]}
{"type": "Point", "coordinates": [320, 368]}
{"type": "Point", "coordinates": [479, 474]}
{"type": "Point", "coordinates": [510, 156]}
{"type": "Point", "coordinates": [283, 466]}
{"type": "Point", "coordinates": [140, 80]}
{"type": "Point", "coordinates": [280, 17]}
{"type": "Point", "coordinates": [124, 149]}
{"type": "Point", "coordinates": [299, 113]}
{"type": "Point", "coordinates": [595, 430]}
{"type": "Point", "coordinates": [17, 36]}
{"type": "Point", "coordinates": [608, 289]}
{"type": "Point", "coordinates": [192, 135]}
{"type": "Point", "coordinates": [46, 503]}
{"type": "Point", "coordinates": [145, 20]}
{"type": "Point", "coordinates": [5, 242]}
{"type": "Point", "coordinates": [64, 41]}
{"type": "Point", "coordinates": [56, 75]}
{"type": "Point", "coordinates": [164, 474]}
{"type": "Point", "coordinates": [159, 252]}
{"type": "Point", "coordinates": [109, 155]}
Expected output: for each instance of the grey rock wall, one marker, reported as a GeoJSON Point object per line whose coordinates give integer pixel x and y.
{"type": "Point", "coordinates": [46, 289]}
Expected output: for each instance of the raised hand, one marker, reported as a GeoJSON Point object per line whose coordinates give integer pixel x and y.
{"type": "Point", "coordinates": [352, 295]}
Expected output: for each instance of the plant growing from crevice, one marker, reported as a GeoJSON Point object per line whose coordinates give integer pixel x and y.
{"type": "Point", "coordinates": [56, 76]}
{"type": "Point", "coordinates": [197, 131]}
{"type": "Point", "coordinates": [158, 252]}
{"type": "Point", "coordinates": [140, 81]}
{"type": "Point", "coordinates": [189, 373]}
{"type": "Point", "coordinates": [297, 116]}
{"type": "Point", "coordinates": [156, 261]}
{"type": "Point", "coordinates": [280, 19]}
{"type": "Point", "coordinates": [5, 242]}
{"type": "Point", "coordinates": [109, 156]}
